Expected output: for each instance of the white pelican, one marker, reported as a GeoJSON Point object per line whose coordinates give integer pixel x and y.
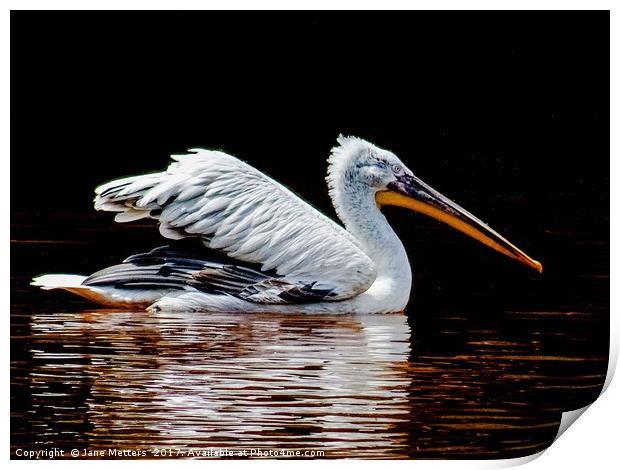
{"type": "Point", "coordinates": [281, 254]}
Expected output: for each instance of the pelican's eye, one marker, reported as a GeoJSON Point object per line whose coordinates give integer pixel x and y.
{"type": "Point", "coordinates": [396, 168]}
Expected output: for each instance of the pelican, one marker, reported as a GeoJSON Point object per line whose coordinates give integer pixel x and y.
{"type": "Point", "coordinates": [277, 252]}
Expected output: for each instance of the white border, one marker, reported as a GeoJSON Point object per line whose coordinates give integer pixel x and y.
{"type": "Point", "coordinates": [310, 5]}
{"type": "Point", "coordinates": [591, 443]}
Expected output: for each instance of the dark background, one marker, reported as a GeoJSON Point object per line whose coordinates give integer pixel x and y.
{"type": "Point", "coordinates": [500, 105]}
{"type": "Point", "coordinates": [505, 112]}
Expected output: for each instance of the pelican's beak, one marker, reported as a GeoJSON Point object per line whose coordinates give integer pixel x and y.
{"type": "Point", "coordinates": [412, 193]}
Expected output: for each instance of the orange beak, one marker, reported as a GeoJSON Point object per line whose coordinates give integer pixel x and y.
{"type": "Point", "coordinates": [412, 193]}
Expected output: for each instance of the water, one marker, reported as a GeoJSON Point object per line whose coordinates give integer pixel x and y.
{"type": "Point", "coordinates": [478, 367]}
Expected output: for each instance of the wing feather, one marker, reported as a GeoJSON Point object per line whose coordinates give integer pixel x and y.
{"type": "Point", "coordinates": [235, 208]}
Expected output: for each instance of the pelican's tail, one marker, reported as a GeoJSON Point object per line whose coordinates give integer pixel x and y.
{"type": "Point", "coordinates": [107, 296]}
{"type": "Point", "coordinates": [58, 281]}
{"type": "Point", "coordinates": [176, 269]}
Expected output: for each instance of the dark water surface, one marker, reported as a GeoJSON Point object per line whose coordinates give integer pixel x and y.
{"type": "Point", "coordinates": [480, 366]}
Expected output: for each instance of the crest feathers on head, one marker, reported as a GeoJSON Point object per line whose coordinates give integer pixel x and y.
{"type": "Point", "coordinates": [346, 147]}
{"type": "Point", "coordinates": [341, 155]}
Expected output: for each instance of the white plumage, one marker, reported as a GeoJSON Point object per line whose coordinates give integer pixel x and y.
{"type": "Point", "coordinates": [235, 208]}
{"type": "Point", "coordinates": [282, 254]}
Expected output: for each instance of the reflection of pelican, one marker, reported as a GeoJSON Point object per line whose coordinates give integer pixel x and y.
{"type": "Point", "coordinates": [283, 255]}
{"type": "Point", "coordinates": [337, 383]}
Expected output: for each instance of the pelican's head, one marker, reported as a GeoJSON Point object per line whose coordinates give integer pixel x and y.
{"type": "Point", "coordinates": [360, 164]}
{"type": "Point", "coordinates": [364, 166]}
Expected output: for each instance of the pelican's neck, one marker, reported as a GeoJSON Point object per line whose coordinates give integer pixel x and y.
{"type": "Point", "coordinates": [356, 206]}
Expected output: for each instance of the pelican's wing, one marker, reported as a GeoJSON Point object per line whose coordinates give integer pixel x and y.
{"type": "Point", "coordinates": [235, 208]}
